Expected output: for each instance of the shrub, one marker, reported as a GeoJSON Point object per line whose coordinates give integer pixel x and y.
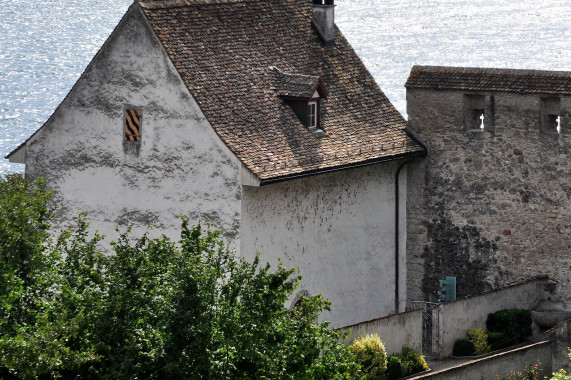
{"type": "Point", "coordinates": [371, 355]}
{"type": "Point", "coordinates": [405, 363]}
{"type": "Point", "coordinates": [412, 361]}
{"type": "Point", "coordinates": [394, 367]}
{"type": "Point", "coordinates": [479, 338]}
{"type": "Point", "coordinates": [463, 347]}
{"type": "Point", "coordinates": [498, 340]}
{"type": "Point", "coordinates": [515, 323]}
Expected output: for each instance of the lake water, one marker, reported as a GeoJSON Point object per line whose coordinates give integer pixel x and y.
{"type": "Point", "coordinates": [46, 45]}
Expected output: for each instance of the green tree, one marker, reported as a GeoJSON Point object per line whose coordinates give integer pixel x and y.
{"type": "Point", "coordinates": [32, 340]}
{"type": "Point", "coordinates": [154, 309]}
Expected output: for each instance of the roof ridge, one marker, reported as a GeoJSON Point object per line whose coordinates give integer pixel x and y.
{"type": "Point", "coordinates": [166, 4]}
{"type": "Point", "coordinates": [489, 70]}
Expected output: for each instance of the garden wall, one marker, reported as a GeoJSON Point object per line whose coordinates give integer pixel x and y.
{"type": "Point", "coordinates": [560, 337]}
{"type": "Point", "coordinates": [498, 365]}
{"type": "Point", "coordinates": [458, 316]}
{"type": "Point", "coordinates": [395, 330]}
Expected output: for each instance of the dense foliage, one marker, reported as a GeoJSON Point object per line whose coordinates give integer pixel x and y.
{"type": "Point", "coordinates": [515, 323]}
{"type": "Point", "coordinates": [371, 355]}
{"type": "Point", "coordinates": [504, 328]}
{"type": "Point", "coordinates": [154, 309]}
{"type": "Point", "coordinates": [498, 340]}
{"type": "Point", "coordinates": [405, 363]}
{"type": "Point", "coordinates": [479, 337]}
{"type": "Point", "coordinates": [463, 347]}
{"type": "Point", "coordinates": [474, 343]}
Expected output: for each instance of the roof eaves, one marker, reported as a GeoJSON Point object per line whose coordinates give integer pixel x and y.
{"type": "Point", "coordinates": [14, 151]}
{"type": "Point", "coordinates": [373, 161]}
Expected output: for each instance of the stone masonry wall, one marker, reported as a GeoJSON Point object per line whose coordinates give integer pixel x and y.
{"type": "Point", "coordinates": [490, 207]}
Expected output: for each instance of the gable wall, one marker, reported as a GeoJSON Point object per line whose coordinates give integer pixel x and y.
{"type": "Point", "coordinates": [180, 166]}
{"type": "Point", "coordinates": [338, 230]}
{"type": "Point", "coordinates": [492, 207]}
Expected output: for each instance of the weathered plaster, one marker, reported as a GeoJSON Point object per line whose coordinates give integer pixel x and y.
{"type": "Point", "coordinates": [492, 207]}
{"type": "Point", "coordinates": [180, 167]}
{"type": "Point", "coordinates": [395, 330]}
{"type": "Point", "coordinates": [454, 318]}
{"type": "Point", "coordinates": [338, 229]}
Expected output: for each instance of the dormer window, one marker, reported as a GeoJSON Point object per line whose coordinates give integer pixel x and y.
{"type": "Point", "coordinates": [304, 94]}
{"type": "Point", "coordinates": [312, 115]}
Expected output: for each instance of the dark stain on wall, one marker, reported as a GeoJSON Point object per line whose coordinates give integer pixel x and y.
{"type": "Point", "coordinates": [459, 251]}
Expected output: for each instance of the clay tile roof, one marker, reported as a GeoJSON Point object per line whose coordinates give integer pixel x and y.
{"type": "Point", "coordinates": [294, 85]}
{"type": "Point", "coordinates": [482, 79]}
{"type": "Point", "coordinates": [223, 50]}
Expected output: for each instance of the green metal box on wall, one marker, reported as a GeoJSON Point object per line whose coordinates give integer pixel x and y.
{"type": "Point", "coordinates": [447, 290]}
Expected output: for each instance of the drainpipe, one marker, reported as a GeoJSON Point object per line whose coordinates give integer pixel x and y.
{"type": "Point", "coordinates": [397, 219]}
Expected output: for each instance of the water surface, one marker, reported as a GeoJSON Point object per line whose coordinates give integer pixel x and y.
{"type": "Point", "coordinates": [45, 45]}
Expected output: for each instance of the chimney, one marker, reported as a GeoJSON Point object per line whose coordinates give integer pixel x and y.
{"type": "Point", "coordinates": [323, 21]}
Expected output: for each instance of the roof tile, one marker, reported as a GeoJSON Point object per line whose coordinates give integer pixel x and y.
{"type": "Point", "coordinates": [223, 50]}
{"type": "Point", "coordinates": [487, 79]}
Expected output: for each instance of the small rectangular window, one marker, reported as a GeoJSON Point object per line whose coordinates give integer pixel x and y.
{"type": "Point", "coordinates": [550, 115]}
{"type": "Point", "coordinates": [475, 118]}
{"type": "Point", "coordinates": [132, 122]}
{"type": "Point", "coordinates": [312, 114]}
{"type": "Point", "coordinates": [478, 119]}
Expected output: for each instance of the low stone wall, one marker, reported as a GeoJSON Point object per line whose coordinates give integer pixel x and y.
{"type": "Point", "coordinates": [458, 316]}
{"type": "Point", "coordinates": [560, 337]}
{"type": "Point", "coordinates": [395, 330]}
{"type": "Point", "coordinates": [498, 365]}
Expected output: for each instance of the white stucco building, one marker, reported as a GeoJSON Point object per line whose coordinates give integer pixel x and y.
{"type": "Point", "coordinates": [254, 115]}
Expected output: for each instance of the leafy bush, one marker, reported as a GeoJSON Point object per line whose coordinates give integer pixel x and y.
{"type": "Point", "coordinates": [405, 363]}
{"type": "Point", "coordinates": [155, 309]}
{"type": "Point", "coordinates": [371, 355]}
{"type": "Point", "coordinates": [394, 367]}
{"type": "Point", "coordinates": [515, 323]}
{"type": "Point", "coordinates": [412, 361]}
{"type": "Point", "coordinates": [498, 340]}
{"type": "Point", "coordinates": [463, 347]}
{"type": "Point", "coordinates": [480, 340]}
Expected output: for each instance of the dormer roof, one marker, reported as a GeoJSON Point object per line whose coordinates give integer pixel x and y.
{"type": "Point", "coordinates": [297, 85]}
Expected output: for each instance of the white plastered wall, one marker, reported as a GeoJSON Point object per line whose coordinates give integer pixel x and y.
{"type": "Point", "coordinates": [180, 167]}
{"type": "Point", "coordinates": [338, 230]}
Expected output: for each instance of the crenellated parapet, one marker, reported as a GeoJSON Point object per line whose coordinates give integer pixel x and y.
{"type": "Point", "coordinates": [491, 101]}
